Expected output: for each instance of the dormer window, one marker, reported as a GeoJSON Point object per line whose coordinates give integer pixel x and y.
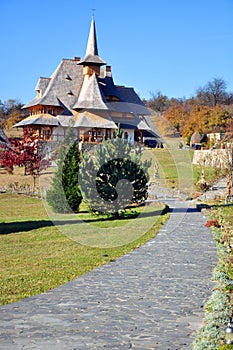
{"type": "Point", "coordinates": [111, 98]}
{"type": "Point", "coordinates": [70, 93]}
{"type": "Point", "coordinates": [67, 77]}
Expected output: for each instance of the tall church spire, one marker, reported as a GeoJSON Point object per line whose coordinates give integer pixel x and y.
{"type": "Point", "coordinates": [92, 57]}
{"type": "Point", "coordinates": [92, 48]}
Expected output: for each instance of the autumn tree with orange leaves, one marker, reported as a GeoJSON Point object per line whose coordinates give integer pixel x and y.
{"type": "Point", "coordinates": [210, 110]}
{"type": "Point", "coordinates": [205, 119]}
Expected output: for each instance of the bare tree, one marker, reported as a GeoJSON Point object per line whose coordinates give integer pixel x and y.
{"type": "Point", "coordinates": [158, 102]}
{"type": "Point", "coordinates": [213, 93]}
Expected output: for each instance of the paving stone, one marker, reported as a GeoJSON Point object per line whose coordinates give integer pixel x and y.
{"type": "Point", "coordinates": [151, 298]}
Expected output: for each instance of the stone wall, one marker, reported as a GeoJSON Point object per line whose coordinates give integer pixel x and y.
{"type": "Point", "coordinates": [218, 158]}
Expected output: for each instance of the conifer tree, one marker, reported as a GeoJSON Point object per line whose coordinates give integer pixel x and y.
{"type": "Point", "coordinates": [113, 177]}
{"type": "Point", "coordinates": [70, 172]}
{"type": "Point", "coordinates": [64, 195]}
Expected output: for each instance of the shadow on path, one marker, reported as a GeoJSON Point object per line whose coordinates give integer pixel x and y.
{"type": "Point", "coordinates": [183, 210]}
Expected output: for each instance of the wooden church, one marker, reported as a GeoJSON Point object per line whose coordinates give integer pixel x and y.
{"type": "Point", "coordinates": [81, 93]}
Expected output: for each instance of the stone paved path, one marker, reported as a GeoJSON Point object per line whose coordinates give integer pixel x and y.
{"type": "Point", "coordinates": [151, 298]}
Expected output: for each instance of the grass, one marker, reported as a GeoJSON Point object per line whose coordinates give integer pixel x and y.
{"type": "Point", "coordinates": [17, 178]}
{"type": "Point", "coordinates": [227, 213]}
{"type": "Point", "coordinates": [36, 256]}
{"type": "Point", "coordinates": [176, 170]}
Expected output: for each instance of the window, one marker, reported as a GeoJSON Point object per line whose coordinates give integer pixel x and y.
{"type": "Point", "coordinates": [70, 93]}
{"type": "Point", "coordinates": [45, 133]}
{"type": "Point", "coordinates": [112, 98]}
{"type": "Point", "coordinates": [67, 77]}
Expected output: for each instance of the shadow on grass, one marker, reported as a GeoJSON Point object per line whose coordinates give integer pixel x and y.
{"type": "Point", "coordinates": [211, 206]}
{"type": "Point", "coordinates": [25, 226]}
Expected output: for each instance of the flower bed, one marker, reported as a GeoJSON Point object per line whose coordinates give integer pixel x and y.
{"type": "Point", "coordinates": [219, 307]}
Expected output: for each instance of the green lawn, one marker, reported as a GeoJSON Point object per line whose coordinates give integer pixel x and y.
{"type": "Point", "coordinates": [177, 171]}
{"type": "Point", "coordinates": [227, 212]}
{"type": "Point", "coordinates": [36, 256]}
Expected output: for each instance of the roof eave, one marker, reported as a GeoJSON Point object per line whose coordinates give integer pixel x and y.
{"type": "Point", "coordinates": [92, 59]}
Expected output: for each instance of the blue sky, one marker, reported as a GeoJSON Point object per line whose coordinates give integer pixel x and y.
{"type": "Point", "coordinates": [174, 46]}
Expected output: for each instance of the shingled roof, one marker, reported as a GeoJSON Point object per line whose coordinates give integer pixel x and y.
{"type": "Point", "coordinates": [100, 119]}
{"type": "Point", "coordinates": [90, 97]}
{"type": "Point", "coordinates": [63, 86]}
{"type": "Point", "coordinates": [108, 87]}
{"type": "Point", "coordinates": [41, 119]}
{"type": "Point", "coordinates": [42, 85]}
{"type": "Point", "coordinates": [4, 142]}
